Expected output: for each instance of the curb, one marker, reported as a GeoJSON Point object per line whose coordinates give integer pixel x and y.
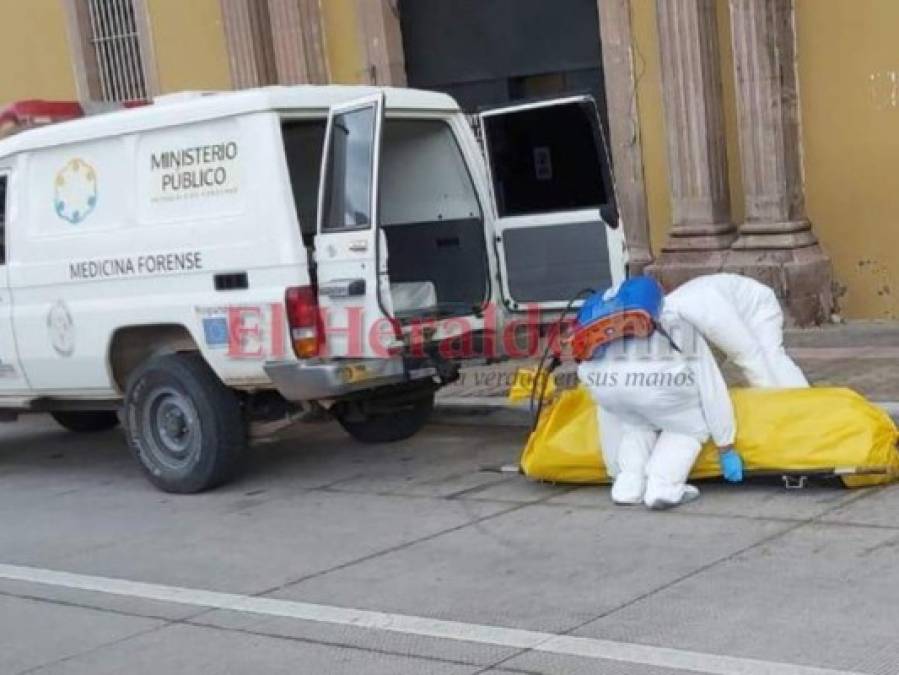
{"type": "Point", "coordinates": [495, 411]}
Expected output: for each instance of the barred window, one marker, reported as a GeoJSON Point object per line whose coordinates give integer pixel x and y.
{"type": "Point", "coordinates": [116, 45]}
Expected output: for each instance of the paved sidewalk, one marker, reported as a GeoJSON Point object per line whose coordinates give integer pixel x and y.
{"type": "Point", "coordinates": [419, 558]}
{"type": "Point", "coordinates": [862, 355]}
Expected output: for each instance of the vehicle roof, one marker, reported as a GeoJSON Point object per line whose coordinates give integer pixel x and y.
{"type": "Point", "coordinates": [187, 107]}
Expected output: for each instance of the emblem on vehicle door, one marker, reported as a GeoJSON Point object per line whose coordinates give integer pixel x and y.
{"type": "Point", "coordinates": [75, 191]}
{"type": "Point", "coordinates": [61, 329]}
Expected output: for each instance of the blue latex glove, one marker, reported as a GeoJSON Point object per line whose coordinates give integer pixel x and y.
{"type": "Point", "coordinates": [731, 465]}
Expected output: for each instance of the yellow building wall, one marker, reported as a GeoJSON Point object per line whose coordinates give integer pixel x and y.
{"type": "Point", "coordinates": [849, 101]}
{"type": "Point", "coordinates": [849, 89]}
{"type": "Point", "coordinates": [647, 73]}
{"type": "Point", "coordinates": [34, 52]}
{"type": "Point", "coordinates": [343, 41]}
{"type": "Point", "coordinates": [189, 45]}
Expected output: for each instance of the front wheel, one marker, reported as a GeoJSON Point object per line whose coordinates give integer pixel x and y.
{"type": "Point", "coordinates": [86, 421]}
{"type": "Point", "coordinates": [185, 427]}
{"type": "Point", "coordinates": [388, 426]}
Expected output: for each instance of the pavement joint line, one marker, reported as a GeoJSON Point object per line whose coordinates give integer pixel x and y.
{"type": "Point", "coordinates": [398, 547]}
{"type": "Point", "coordinates": [692, 514]}
{"type": "Point", "coordinates": [536, 641]}
{"type": "Point", "coordinates": [458, 495]}
{"type": "Point", "coordinates": [796, 525]}
{"type": "Point", "coordinates": [192, 621]}
{"type": "Point", "coordinates": [93, 649]}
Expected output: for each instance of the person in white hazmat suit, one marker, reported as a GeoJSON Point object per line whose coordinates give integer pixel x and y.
{"type": "Point", "coordinates": [743, 318]}
{"type": "Point", "coordinates": [659, 401]}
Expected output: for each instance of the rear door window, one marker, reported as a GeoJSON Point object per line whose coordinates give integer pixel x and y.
{"type": "Point", "coordinates": [546, 159]}
{"type": "Point", "coordinates": [347, 201]}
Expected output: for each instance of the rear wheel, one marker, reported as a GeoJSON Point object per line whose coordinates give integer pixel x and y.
{"type": "Point", "coordinates": [386, 426]}
{"type": "Point", "coordinates": [86, 421]}
{"type": "Point", "coordinates": [185, 427]}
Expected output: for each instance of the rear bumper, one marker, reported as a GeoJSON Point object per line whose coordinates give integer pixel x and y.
{"type": "Point", "coordinates": [312, 380]}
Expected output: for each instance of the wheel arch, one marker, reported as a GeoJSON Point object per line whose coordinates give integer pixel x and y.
{"type": "Point", "coordinates": [132, 345]}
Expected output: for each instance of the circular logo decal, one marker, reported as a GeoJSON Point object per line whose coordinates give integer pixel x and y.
{"type": "Point", "coordinates": [61, 329]}
{"type": "Point", "coordinates": [76, 191]}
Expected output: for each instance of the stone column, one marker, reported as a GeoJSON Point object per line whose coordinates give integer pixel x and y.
{"type": "Point", "coordinates": [298, 41]}
{"type": "Point", "coordinates": [701, 229]}
{"type": "Point", "coordinates": [776, 242]}
{"type": "Point", "coordinates": [382, 42]}
{"type": "Point", "coordinates": [624, 128]}
{"type": "Point", "coordinates": [248, 38]}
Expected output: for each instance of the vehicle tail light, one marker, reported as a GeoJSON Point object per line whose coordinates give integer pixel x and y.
{"type": "Point", "coordinates": [306, 330]}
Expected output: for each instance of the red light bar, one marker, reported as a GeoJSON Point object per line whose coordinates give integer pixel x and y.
{"type": "Point", "coordinates": [26, 114]}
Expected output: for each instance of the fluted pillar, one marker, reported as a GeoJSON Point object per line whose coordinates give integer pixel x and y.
{"type": "Point", "coordinates": [776, 244]}
{"type": "Point", "coordinates": [694, 120]}
{"type": "Point", "coordinates": [701, 230]}
{"type": "Point", "coordinates": [764, 45]}
{"type": "Point", "coordinates": [248, 38]}
{"type": "Point", "coordinates": [298, 41]}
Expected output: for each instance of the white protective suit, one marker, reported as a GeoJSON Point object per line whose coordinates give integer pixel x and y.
{"type": "Point", "coordinates": [743, 318]}
{"type": "Point", "coordinates": [658, 406]}
{"type": "Point", "coordinates": [652, 430]}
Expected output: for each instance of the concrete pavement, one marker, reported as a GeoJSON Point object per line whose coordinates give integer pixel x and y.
{"type": "Point", "coordinates": [333, 557]}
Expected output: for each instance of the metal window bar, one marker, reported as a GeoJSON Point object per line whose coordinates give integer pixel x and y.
{"type": "Point", "coordinates": [114, 38]}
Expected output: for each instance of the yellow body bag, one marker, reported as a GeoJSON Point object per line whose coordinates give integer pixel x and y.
{"type": "Point", "coordinates": [794, 431]}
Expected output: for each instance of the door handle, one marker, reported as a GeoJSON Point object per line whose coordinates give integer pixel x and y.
{"type": "Point", "coordinates": [342, 288]}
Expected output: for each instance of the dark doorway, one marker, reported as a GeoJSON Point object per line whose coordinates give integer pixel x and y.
{"type": "Point", "coordinates": [491, 52]}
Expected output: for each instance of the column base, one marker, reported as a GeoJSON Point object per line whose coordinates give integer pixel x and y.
{"type": "Point", "coordinates": [757, 236]}
{"type": "Point", "coordinates": [710, 237]}
{"type": "Point", "coordinates": [801, 278]}
{"type": "Point", "coordinates": [674, 267]}
{"type": "Point", "coordinates": [639, 258]}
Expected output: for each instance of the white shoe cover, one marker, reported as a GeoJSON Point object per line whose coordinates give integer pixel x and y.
{"type": "Point", "coordinates": [628, 488]}
{"type": "Point", "coordinates": [660, 498]}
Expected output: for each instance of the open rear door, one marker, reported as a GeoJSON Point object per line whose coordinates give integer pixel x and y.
{"type": "Point", "coordinates": [556, 223]}
{"type": "Point", "coordinates": [350, 251]}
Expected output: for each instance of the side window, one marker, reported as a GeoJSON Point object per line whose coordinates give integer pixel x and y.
{"type": "Point", "coordinates": [4, 180]}
{"type": "Point", "coordinates": [546, 159]}
{"type": "Point", "coordinates": [348, 199]}
{"type": "Point", "coordinates": [303, 142]}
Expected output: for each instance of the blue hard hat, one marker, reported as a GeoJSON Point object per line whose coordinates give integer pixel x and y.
{"type": "Point", "coordinates": [630, 310]}
{"type": "Point", "coordinates": [637, 293]}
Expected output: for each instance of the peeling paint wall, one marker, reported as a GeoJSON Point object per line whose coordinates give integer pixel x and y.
{"type": "Point", "coordinates": [849, 83]}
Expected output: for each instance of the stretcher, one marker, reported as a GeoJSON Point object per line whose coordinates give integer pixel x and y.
{"type": "Point", "coordinates": [795, 433]}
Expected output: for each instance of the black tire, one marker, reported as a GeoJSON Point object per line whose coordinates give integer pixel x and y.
{"type": "Point", "coordinates": [184, 426]}
{"type": "Point", "coordinates": [86, 421]}
{"type": "Point", "coordinates": [388, 427]}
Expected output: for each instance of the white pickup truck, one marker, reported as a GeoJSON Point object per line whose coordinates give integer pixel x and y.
{"type": "Point", "coordinates": [208, 261]}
